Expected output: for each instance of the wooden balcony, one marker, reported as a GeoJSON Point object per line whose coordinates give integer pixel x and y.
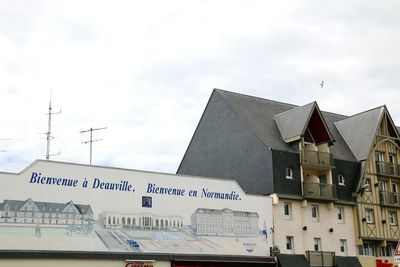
{"type": "Point", "coordinates": [389, 199]}
{"type": "Point", "coordinates": [387, 168]}
{"type": "Point", "coordinates": [317, 159]}
{"type": "Point", "coordinates": [319, 191]}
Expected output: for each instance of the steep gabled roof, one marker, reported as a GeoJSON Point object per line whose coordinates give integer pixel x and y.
{"type": "Point", "coordinates": [258, 114]}
{"type": "Point", "coordinates": [359, 130]}
{"type": "Point", "coordinates": [16, 205]}
{"type": "Point", "coordinates": [294, 123]}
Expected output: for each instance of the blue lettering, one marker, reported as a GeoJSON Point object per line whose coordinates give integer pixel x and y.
{"type": "Point", "coordinates": [96, 183]}
{"type": "Point", "coordinates": [33, 177]}
{"type": "Point", "coordinates": [149, 188]}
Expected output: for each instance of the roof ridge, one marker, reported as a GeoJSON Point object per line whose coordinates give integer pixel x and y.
{"type": "Point", "coordinates": [265, 99]}
{"type": "Point", "coordinates": [279, 102]}
{"type": "Point", "coordinates": [333, 113]}
{"type": "Point", "coordinates": [294, 109]}
{"type": "Point", "coordinates": [365, 111]}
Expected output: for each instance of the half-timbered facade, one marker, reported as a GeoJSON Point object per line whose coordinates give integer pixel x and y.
{"type": "Point", "coordinates": [374, 140]}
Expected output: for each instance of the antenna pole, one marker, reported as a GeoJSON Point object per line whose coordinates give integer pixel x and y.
{"type": "Point", "coordinates": [90, 142]}
{"type": "Point", "coordinates": [48, 133]}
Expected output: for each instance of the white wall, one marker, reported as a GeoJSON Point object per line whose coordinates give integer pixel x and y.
{"type": "Point", "coordinates": [304, 239]}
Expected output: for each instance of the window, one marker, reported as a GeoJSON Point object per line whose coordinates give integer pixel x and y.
{"type": "Point", "coordinates": [314, 213]}
{"type": "Point", "coordinates": [317, 244]}
{"type": "Point", "coordinates": [368, 182]}
{"type": "Point", "coordinates": [343, 247]}
{"type": "Point", "coordinates": [367, 249]}
{"type": "Point", "coordinates": [341, 179]}
{"type": "Point", "coordinates": [392, 217]}
{"type": "Point", "coordinates": [146, 202]}
{"type": "Point", "coordinates": [382, 186]}
{"type": "Point", "coordinates": [392, 163]}
{"type": "Point", "coordinates": [395, 193]}
{"type": "Point", "coordinates": [289, 244]}
{"type": "Point", "coordinates": [369, 215]}
{"type": "Point", "coordinates": [383, 192]}
{"type": "Point", "coordinates": [289, 173]}
{"type": "Point", "coordinates": [389, 250]}
{"type": "Point", "coordinates": [380, 164]}
{"type": "Point", "coordinates": [287, 210]}
{"type": "Point", "coordinates": [340, 214]}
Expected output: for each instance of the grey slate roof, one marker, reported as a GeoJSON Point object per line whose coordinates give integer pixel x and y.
{"type": "Point", "coordinates": [238, 138]}
{"type": "Point", "coordinates": [16, 205]}
{"type": "Point", "coordinates": [358, 131]}
{"type": "Point", "coordinates": [292, 123]}
{"type": "Point", "coordinates": [258, 114]}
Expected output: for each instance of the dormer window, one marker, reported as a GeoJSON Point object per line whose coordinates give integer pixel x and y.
{"type": "Point", "coordinates": [289, 173]}
{"type": "Point", "coordinates": [341, 179]}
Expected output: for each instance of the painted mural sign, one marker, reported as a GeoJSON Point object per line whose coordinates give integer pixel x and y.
{"type": "Point", "coordinates": [72, 207]}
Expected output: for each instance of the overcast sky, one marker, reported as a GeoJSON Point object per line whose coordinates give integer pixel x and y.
{"type": "Point", "coordinates": [145, 69]}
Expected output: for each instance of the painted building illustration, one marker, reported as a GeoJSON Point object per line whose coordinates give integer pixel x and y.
{"type": "Point", "coordinates": [22, 212]}
{"type": "Point", "coordinates": [224, 222]}
{"type": "Point", "coordinates": [142, 220]}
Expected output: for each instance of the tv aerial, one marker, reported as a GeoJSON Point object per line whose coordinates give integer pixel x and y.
{"type": "Point", "coordinates": [49, 137]}
{"type": "Point", "coordinates": [90, 141]}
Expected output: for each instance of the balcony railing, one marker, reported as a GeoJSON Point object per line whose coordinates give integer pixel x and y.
{"type": "Point", "coordinates": [389, 198]}
{"type": "Point", "coordinates": [319, 191]}
{"type": "Point", "coordinates": [317, 158]}
{"type": "Point", "coordinates": [387, 168]}
{"type": "Point", "coordinates": [321, 258]}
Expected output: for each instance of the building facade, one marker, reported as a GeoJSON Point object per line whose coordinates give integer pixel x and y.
{"type": "Point", "coordinates": [28, 212]}
{"type": "Point", "coordinates": [315, 165]}
{"type": "Point", "coordinates": [141, 220]}
{"type": "Point", "coordinates": [378, 207]}
{"type": "Point", "coordinates": [224, 222]}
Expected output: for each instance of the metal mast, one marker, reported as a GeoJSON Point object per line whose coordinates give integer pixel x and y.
{"type": "Point", "coordinates": [48, 133]}
{"type": "Point", "coordinates": [91, 139]}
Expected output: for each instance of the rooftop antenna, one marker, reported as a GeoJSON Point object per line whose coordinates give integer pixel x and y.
{"type": "Point", "coordinates": [91, 130]}
{"type": "Point", "coordinates": [6, 139]}
{"type": "Point", "coordinates": [48, 133]}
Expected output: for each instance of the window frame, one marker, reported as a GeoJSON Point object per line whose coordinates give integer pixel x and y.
{"type": "Point", "coordinates": [343, 245]}
{"type": "Point", "coordinates": [341, 180]}
{"type": "Point", "coordinates": [369, 216]}
{"type": "Point", "coordinates": [340, 213]}
{"type": "Point", "coordinates": [289, 173]}
{"type": "Point", "coordinates": [366, 246]}
{"type": "Point", "coordinates": [290, 242]}
{"type": "Point", "coordinates": [317, 244]}
{"type": "Point", "coordinates": [392, 219]}
{"type": "Point", "coordinates": [368, 188]}
{"type": "Point", "coordinates": [315, 211]}
{"type": "Point", "coordinates": [289, 210]}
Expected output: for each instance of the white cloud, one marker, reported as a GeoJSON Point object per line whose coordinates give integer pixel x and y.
{"type": "Point", "coordinates": [146, 69]}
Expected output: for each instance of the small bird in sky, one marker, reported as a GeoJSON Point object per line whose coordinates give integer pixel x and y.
{"type": "Point", "coordinates": [322, 83]}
